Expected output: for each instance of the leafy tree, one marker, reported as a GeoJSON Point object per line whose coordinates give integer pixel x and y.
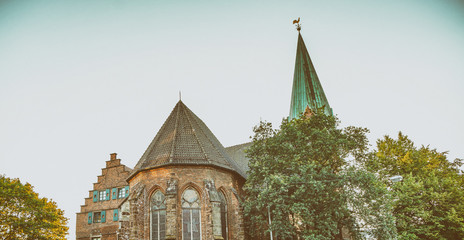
{"type": "Point", "coordinates": [301, 173]}
{"type": "Point", "coordinates": [23, 215]}
{"type": "Point", "coordinates": [429, 201]}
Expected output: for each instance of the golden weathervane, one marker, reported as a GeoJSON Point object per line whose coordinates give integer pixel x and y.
{"type": "Point", "coordinates": [297, 22]}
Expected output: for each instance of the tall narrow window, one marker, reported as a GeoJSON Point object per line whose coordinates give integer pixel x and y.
{"type": "Point", "coordinates": [191, 227]}
{"type": "Point", "coordinates": [158, 216]}
{"type": "Point", "coordinates": [224, 227]}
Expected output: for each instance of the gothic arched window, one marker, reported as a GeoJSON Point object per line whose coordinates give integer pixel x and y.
{"type": "Point", "coordinates": [191, 227]}
{"type": "Point", "coordinates": [158, 216]}
{"type": "Point", "coordinates": [224, 227]}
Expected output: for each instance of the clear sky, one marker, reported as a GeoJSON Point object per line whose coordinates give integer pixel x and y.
{"type": "Point", "coordinates": [82, 79]}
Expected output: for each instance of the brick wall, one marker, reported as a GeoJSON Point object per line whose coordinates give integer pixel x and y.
{"type": "Point", "coordinates": [113, 176]}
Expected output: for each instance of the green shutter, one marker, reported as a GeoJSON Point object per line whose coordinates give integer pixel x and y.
{"type": "Point", "coordinates": [107, 194]}
{"type": "Point", "coordinates": [115, 215]}
{"type": "Point", "coordinates": [114, 192]}
{"type": "Point", "coordinates": [127, 191]}
{"type": "Point", "coordinates": [95, 196]}
{"type": "Point", "coordinates": [103, 216]}
{"type": "Point", "coordinates": [90, 218]}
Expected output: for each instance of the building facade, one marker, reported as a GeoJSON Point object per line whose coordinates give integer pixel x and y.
{"type": "Point", "coordinates": [99, 216]}
{"type": "Point", "coordinates": [186, 185]}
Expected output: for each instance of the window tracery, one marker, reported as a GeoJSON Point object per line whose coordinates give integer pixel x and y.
{"type": "Point", "coordinates": [191, 226]}
{"type": "Point", "coordinates": [158, 216]}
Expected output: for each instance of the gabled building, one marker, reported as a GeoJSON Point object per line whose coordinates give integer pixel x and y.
{"type": "Point", "coordinates": [99, 216]}
{"type": "Point", "coordinates": [186, 185]}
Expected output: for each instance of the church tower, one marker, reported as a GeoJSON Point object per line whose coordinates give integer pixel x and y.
{"type": "Point", "coordinates": [186, 185]}
{"type": "Point", "coordinates": [307, 90]}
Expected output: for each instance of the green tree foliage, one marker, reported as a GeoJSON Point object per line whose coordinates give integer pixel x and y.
{"type": "Point", "coordinates": [23, 215]}
{"type": "Point", "coordinates": [302, 174]}
{"type": "Point", "coordinates": [429, 202]}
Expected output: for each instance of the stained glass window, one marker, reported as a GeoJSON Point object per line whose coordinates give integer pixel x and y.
{"type": "Point", "coordinates": [224, 215]}
{"type": "Point", "coordinates": [158, 216]}
{"type": "Point", "coordinates": [191, 227]}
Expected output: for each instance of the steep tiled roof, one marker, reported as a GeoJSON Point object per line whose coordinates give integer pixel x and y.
{"type": "Point", "coordinates": [185, 140]}
{"type": "Point", "coordinates": [307, 89]}
{"type": "Point", "coordinates": [237, 153]}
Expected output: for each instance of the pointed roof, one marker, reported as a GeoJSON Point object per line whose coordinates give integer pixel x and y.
{"type": "Point", "coordinates": [307, 90]}
{"type": "Point", "coordinates": [185, 140]}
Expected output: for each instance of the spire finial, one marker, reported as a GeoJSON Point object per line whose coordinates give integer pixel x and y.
{"type": "Point", "coordinates": [180, 96]}
{"type": "Point", "coordinates": [297, 22]}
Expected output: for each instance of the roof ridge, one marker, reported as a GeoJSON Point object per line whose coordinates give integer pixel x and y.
{"type": "Point", "coordinates": [196, 137]}
{"type": "Point", "coordinates": [150, 149]}
{"type": "Point", "coordinates": [185, 139]}
{"type": "Point", "coordinates": [236, 145]}
{"type": "Point", "coordinates": [176, 125]}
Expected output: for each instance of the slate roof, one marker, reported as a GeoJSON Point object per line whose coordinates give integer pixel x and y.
{"type": "Point", "coordinates": [307, 89]}
{"type": "Point", "coordinates": [184, 139]}
{"type": "Point", "coordinates": [237, 153]}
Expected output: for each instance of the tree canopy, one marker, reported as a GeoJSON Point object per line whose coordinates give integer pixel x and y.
{"type": "Point", "coordinates": [305, 175]}
{"type": "Point", "coordinates": [23, 215]}
{"type": "Point", "coordinates": [429, 202]}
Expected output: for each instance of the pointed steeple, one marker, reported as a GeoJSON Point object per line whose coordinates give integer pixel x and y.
{"type": "Point", "coordinates": [184, 139]}
{"type": "Point", "coordinates": [307, 91]}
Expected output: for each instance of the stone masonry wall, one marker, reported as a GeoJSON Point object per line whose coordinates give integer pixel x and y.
{"type": "Point", "coordinates": [147, 182]}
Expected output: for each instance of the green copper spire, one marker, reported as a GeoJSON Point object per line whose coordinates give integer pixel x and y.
{"type": "Point", "coordinates": [307, 91]}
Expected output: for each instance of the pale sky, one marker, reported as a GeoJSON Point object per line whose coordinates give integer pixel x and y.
{"type": "Point", "coordinates": [82, 79]}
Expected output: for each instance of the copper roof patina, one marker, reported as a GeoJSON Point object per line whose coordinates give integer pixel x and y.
{"type": "Point", "coordinates": [184, 139]}
{"type": "Point", "coordinates": [307, 90]}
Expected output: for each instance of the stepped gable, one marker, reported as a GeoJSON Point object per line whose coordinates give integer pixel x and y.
{"type": "Point", "coordinates": [185, 140]}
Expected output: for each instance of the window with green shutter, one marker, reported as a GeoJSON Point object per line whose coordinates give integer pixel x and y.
{"type": "Point", "coordinates": [115, 215]}
{"type": "Point", "coordinates": [114, 193]}
{"type": "Point", "coordinates": [127, 191]}
{"type": "Point", "coordinates": [122, 192]}
{"type": "Point", "coordinates": [89, 219]}
{"type": "Point", "coordinates": [107, 194]}
{"type": "Point", "coordinates": [102, 195]}
{"type": "Point", "coordinates": [97, 217]}
{"type": "Point", "coordinates": [103, 216]}
{"type": "Point", "coordinates": [95, 196]}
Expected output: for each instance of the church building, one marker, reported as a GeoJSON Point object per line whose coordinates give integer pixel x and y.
{"type": "Point", "coordinates": [186, 186]}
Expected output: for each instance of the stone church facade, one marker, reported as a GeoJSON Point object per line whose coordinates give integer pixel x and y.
{"type": "Point", "coordinates": [186, 185]}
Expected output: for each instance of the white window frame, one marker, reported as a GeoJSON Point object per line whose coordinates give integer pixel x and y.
{"type": "Point", "coordinates": [102, 195]}
{"type": "Point", "coordinates": [122, 191]}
